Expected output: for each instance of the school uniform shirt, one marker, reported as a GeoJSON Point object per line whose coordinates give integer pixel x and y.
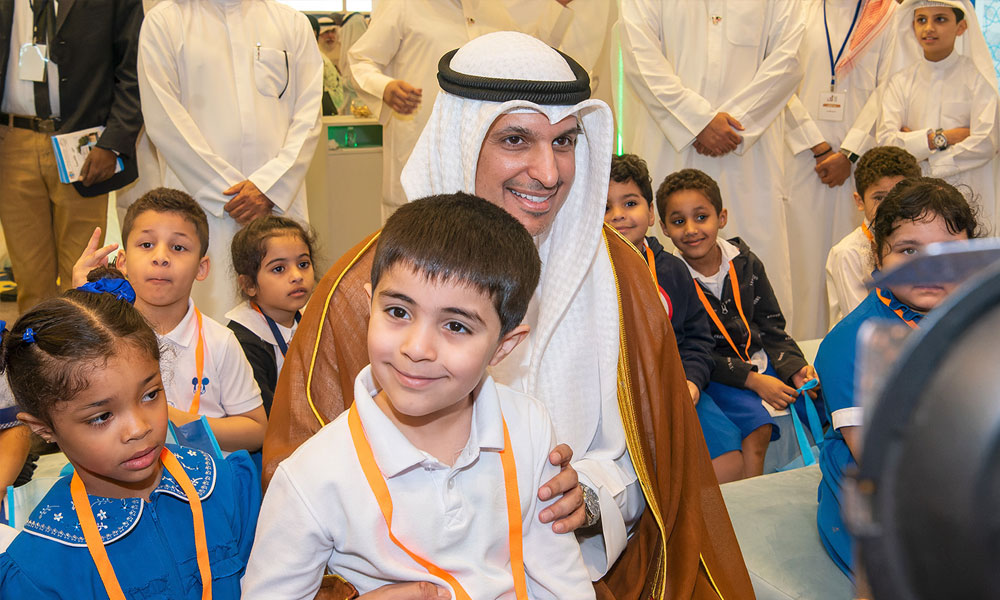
{"type": "Point", "coordinates": [818, 215]}
{"type": "Point", "coordinates": [686, 61]}
{"type": "Point", "coordinates": [150, 543]}
{"type": "Point", "coordinates": [692, 328]}
{"type": "Point", "coordinates": [848, 268]}
{"type": "Point", "coordinates": [231, 90]}
{"type": "Point", "coordinates": [227, 383]}
{"type": "Point", "coordinates": [836, 364]}
{"type": "Point", "coordinates": [943, 95]}
{"type": "Point", "coordinates": [768, 341]}
{"type": "Point", "coordinates": [260, 347]}
{"type": "Point", "coordinates": [321, 513]}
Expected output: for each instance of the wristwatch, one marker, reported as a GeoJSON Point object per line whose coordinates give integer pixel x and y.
{"type": "Point", "coordinates": [591, 506]}
{"type": "Point", "coordinates": [940, 141]}
{"type": "Point", "coordinates": [850, 155]}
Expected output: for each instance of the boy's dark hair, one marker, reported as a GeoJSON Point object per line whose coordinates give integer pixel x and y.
{"type": "Point", "coordinates": [463, 238]}
{"type": "Point", "coordinates": [688, 179]}
{"type": "Point", "coordinates": [167, 200]}
{"type": "Point", "coordinates": [630, 167]}
{"type": "Point", "coordinates": [250, 244]}
{"type": "Point", "coordinates": [72, 335]}
{"type": "Point", "coordinates": [916, 199]}
{"type": "Point", "coordinates": [883, 161]}
{"type": "Point", "coordinates": [959, 14]}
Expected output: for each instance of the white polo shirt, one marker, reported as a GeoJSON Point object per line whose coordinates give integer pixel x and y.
{"type": "Point", "coordinates": [228, 386]}
{"type": "Point", "coordinates": [319, 511]}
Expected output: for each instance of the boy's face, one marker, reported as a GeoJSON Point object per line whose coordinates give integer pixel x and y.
{"type": "Point", "coordinates": [430, 343]}
{"type": "Point", "coordinates": [908, 240]}
{"type": "Point", "coordinates": [161, 258]}
{"type": "Point", "coordinates": [692, 224]}
{"type": "Point", "coordinates": [936, 28]}
{"type": "Point", "coordinates": [875, 194]}
{"type": "Point", "coordinates": [627, 211]}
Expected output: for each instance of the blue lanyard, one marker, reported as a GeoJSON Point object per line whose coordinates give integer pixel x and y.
{"type": "Point", "coordinates": [282, 345]}
{"type": "Point", "coordinates": [829, 47]}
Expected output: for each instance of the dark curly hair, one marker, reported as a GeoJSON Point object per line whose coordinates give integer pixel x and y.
{"type": "Point", "coordinates": [71, 335]}
{"type": "Point", "coordinates": [883, 161]}
{"type": "Point", "coordinates": [688, 179]}
{"type": "Point", "coordinates": [919, 198]}
{"type": "Point", "coordinates": [630, 167]}
{"type": "Point", "coordinates": [249, 245]}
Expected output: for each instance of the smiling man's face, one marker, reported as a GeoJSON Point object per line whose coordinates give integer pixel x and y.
{"type": "Point", "coordinates": [527, 165]}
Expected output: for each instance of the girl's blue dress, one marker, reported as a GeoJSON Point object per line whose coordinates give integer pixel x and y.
{"type": "Point", "coordinates": [150, 544]}
{"type": "Point", "coordinates": [836, 362]}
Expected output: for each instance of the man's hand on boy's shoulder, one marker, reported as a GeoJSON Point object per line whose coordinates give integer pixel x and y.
{"type": "Point", "coordinates": [566, 514]}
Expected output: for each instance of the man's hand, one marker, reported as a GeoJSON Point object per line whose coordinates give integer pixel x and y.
{"type": "Point", "coordinates": [771, 390]}
{"type": "Point", "coordinates": [567, 512]}
{"type": "Point", "coordinates": [719, 137]}
{"type": "Point", "coordinates": [695, 391]}
{"type": "Point", "coordinates": [98, 166]}
{"type": "Point", "coordinates": [833, 169]}
{"type": "Point", "coordinates": [422, 590]}
{"type": "Point", "coordinates": [401, 96]}
{"type": "Point", "coordinates": [91, 258]}
{"type": "Point", "coordinates": [803, 375]}
{"type": "Point", "coordinates": [248, 202]}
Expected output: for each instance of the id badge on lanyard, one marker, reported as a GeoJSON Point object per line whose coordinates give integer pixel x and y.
{"type": "Point", "coordinates": [831, 103]}
{"type": "Point", "coordinates": [31, 62]}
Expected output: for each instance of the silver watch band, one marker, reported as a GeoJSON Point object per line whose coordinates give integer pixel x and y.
{"type": "Point", "coordinates": [591, 506]}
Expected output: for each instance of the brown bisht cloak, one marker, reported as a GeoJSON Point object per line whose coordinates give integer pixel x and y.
{"type": "Point", "coordinates": [683, 547]}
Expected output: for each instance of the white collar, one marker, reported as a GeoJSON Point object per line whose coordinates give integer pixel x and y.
{"type": "Point", "coordinates": [394, 454]}
{"type": "Point", "coordinates": [729, 252]}
{"type": "Point", "coordinates": [247, 316]}
{"type": "Point", "coordinates": [185, 331]}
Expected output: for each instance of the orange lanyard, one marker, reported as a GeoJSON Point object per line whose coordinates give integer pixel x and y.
{"type": "Point", "coordinates": [378, 486]}
{"type": "Point", "coordinates": [899, 313]}
{"type": "Point", "coordinates": [199, 365]}
{"type": "Point", "coordinates": [867, 232]}
{"type": "Point", "coordinates": [735, 283]}
{"type": "Point", "coordinates": [95, 545]}
{"type": "Point", "coordinates": [651, 263]}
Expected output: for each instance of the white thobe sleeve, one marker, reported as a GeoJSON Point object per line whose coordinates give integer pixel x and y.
{"type": "Point", "coordinates": [169, 125]}
{"type": "Point", "coordinates": [370, 56]}
{"type": "Point", "coordinates": [758, 104]}
{"type": "Point", "coordinates": [894, 101]}
{"type": "Point", "coordinates": [984, 135]}
{"type": "Point", "coordinates": [291, 547]}
{"type": "Point", "coordinates": [861, 137]}
{"type": "Point", "coordinates": [554, 22]}
{"type": "Point", "coordinates": [845, 282]}
{"type": "Point", "coordinates": [801, 132]}
{"type": "Point", "coordinates": [281, 177]}
{"type": "Point", "coordinates": [552, 560]}
{"type": "Point", "coordinates": [621, 501]}
{"type": "Point", "coordinates": [681, 112]}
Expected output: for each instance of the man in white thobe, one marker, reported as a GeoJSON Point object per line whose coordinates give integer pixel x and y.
{"type": "Point", "coordinates": [394, 64]}
{"type": "Point", "coordinates": [957, 95]}
{"type": "Point", "coordinates": [232, 93]}
{"type": "Point", "coordinates": [825, 130]}
{"type": "Point", "coordinates": [712, 76]}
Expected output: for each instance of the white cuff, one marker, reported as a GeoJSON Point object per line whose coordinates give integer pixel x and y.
{"type": "Point", "coordinates": [848, 417]}
{"type": "Point", "coordinates": [601, 550]}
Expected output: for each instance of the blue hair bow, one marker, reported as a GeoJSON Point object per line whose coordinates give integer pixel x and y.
{"type": "Point", "coordinates": [119, 288]}
{"type": "Point", "coordinates": [28, 336]}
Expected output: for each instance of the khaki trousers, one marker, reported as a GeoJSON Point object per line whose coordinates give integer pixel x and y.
{"type": "Point", "coordinates": [46, 222]}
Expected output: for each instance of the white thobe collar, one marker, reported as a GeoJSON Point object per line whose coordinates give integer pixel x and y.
{"type": "Point", "coordinates": [395, 455]}
{"type": "Point", "coordinates": [944, 66]}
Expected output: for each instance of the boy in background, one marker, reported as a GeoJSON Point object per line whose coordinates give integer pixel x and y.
{"type": "Point", "coordinates": [755, 360]}
{"type": "Point", "coordinates": [851, 261]}
{"type": "Point", "coordinates": [165, 235]}
{"type": "Point", "coordinates": [431, 475]}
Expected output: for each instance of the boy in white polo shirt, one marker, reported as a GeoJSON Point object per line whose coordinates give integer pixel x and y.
{"type": "Point", "coordinates": [431, 476]}
{"type": "Point", "coordinates": [165, 235]}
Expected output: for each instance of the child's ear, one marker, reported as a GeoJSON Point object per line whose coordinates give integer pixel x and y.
{"type": "Point", "coordinates": [37, 426]}
{"type": "Point", "coordinates": [120, 263]}
{"type": "Point", "coordinates": [509, 342]}
{"type": "Point", "coordinates": [962, 27]}
{"type": "Point", "coordinates": [204, 265]}
{"type": "Point", "coordinates": [368, 291]}
{"type": "Point", "coordinates": [652, 216]}
{"type": "Point", "coordinates": [859, 202]}
{"type": "Point", "coordinates": [248, 286]}
{"type": "Point", "coordinates": [723, 217]}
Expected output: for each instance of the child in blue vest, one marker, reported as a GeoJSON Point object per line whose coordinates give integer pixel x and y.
{"type": "Point", "coordinates": [137, 518]}
{"type": "Point", "coordinates": [917, 212]}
